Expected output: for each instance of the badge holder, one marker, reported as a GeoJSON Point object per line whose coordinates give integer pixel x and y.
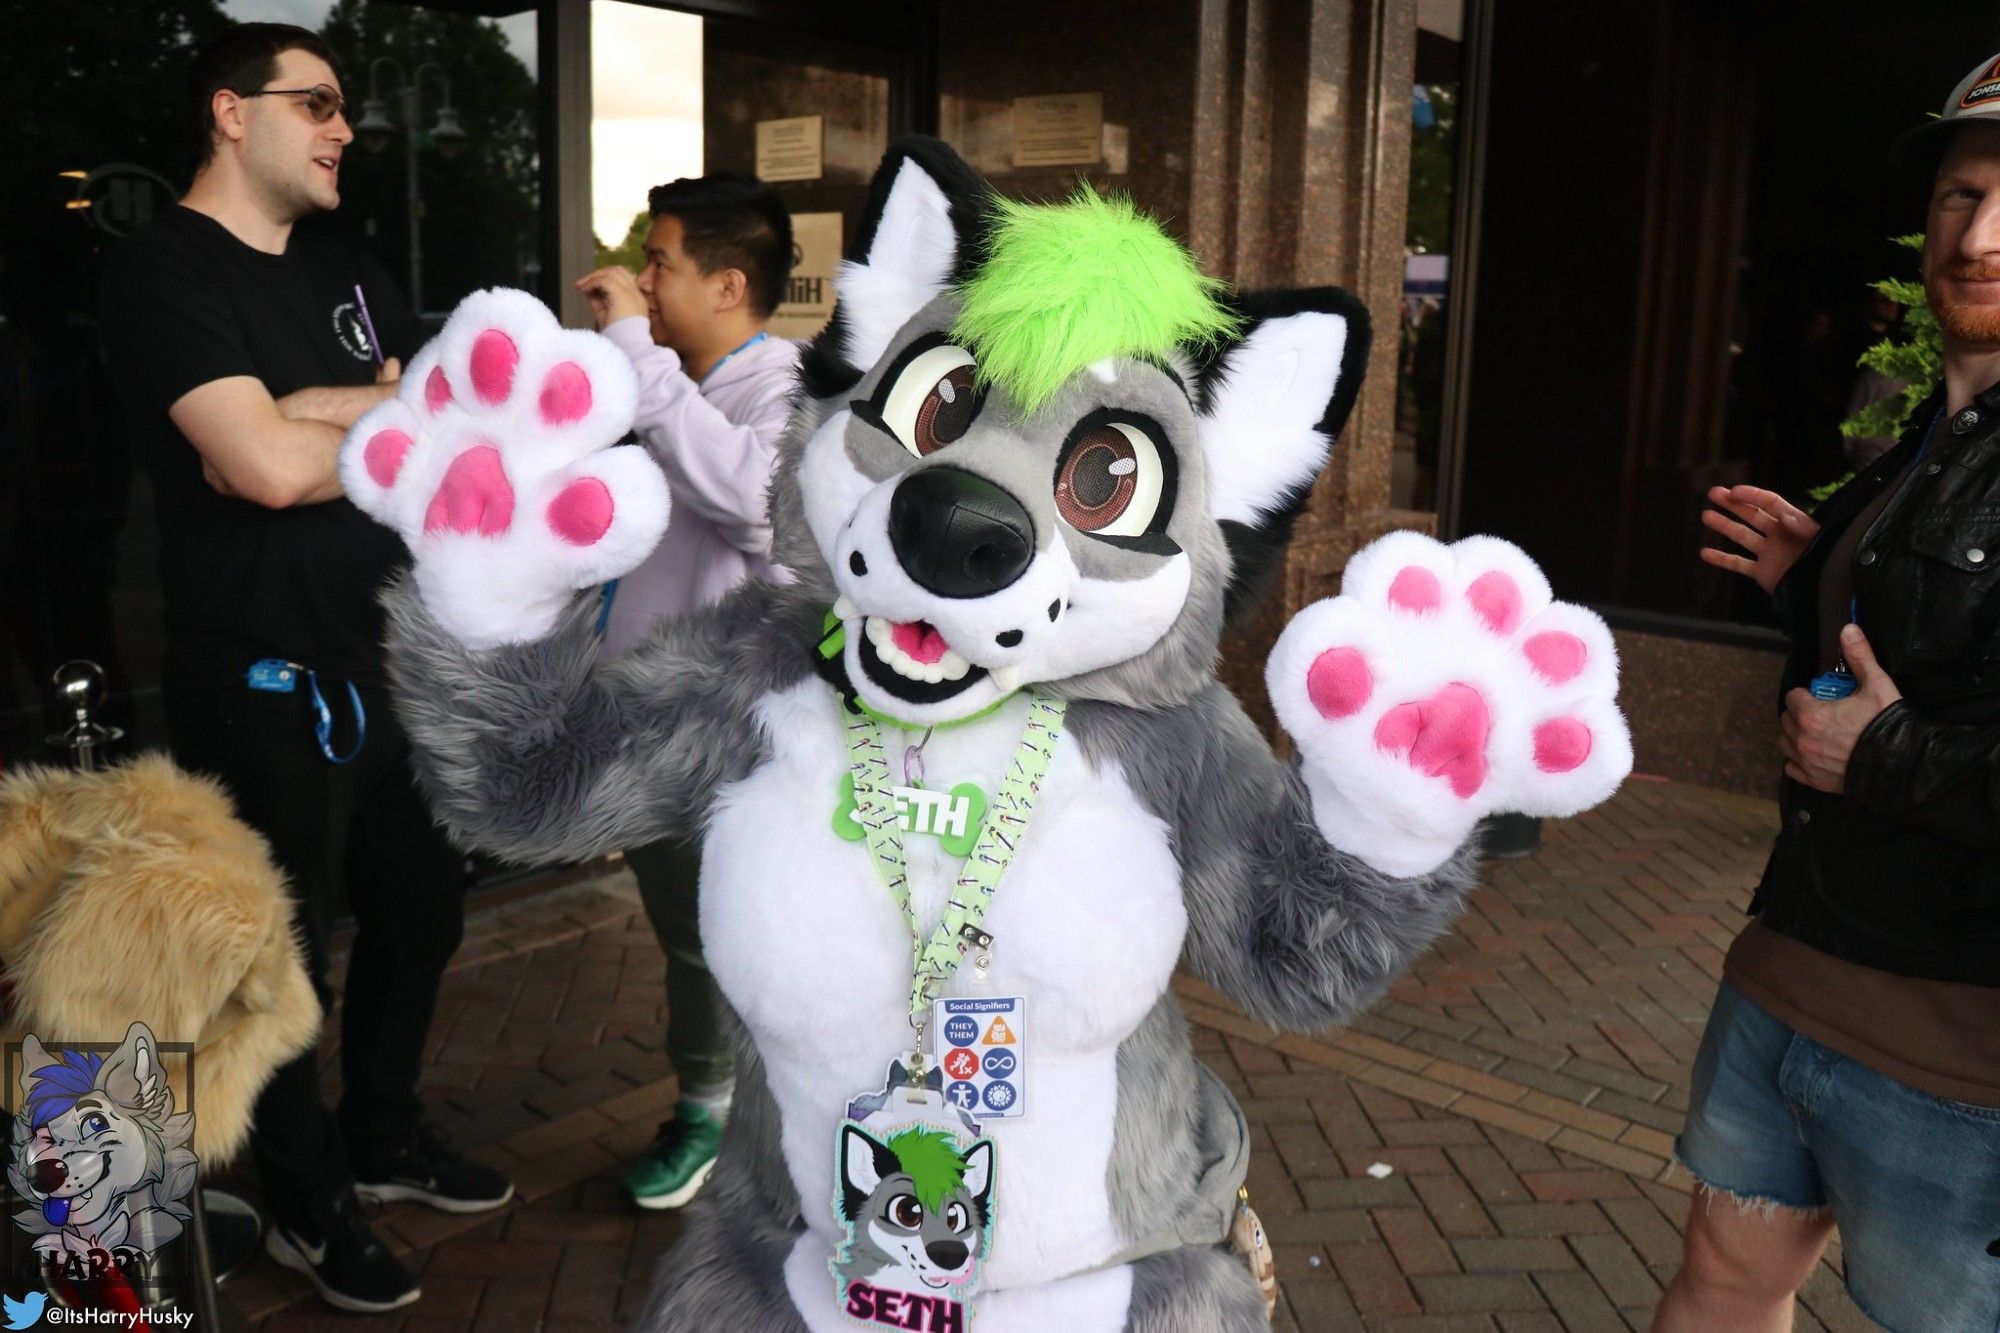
{"type": "Point", "coordinates": [914, 1190]}
{"type": "Point", "coordinates": [983, 1038]}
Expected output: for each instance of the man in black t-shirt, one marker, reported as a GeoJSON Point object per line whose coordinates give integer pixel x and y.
{"type": "Point", "coordinates": [245, 348]}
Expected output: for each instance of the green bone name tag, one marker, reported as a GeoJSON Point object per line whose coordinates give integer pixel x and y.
{"type": "Point", "coordinates": [952, 817]}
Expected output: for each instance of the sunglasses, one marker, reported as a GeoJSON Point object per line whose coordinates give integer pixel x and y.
{"type": "Point", "coordinates": [322, 102]}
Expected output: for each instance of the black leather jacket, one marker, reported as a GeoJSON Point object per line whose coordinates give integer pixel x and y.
{"type": "Point", "coordinates": [1902, 871]}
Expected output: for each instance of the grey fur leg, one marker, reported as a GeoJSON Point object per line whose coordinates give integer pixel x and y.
{"type": "Point", "coordinates": [728, 1271]}
{"type": "Point", "coordinates": [1178, 1145]}
{"type": "Point", "coordinates": [1206, 1289]}
{"type": "Point", "coordinates": [728, 1268]}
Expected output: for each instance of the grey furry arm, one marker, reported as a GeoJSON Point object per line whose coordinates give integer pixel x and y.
{"type": "Point", "coordinates": [1299, 933]}
{"type": "Point", "coordinates": [530, 752]}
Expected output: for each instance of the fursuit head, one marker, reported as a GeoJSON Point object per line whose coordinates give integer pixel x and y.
{"type": "Point", "coordinates": [99, 1154]}
{"type": "Point", "coordinates": [1037, 461]}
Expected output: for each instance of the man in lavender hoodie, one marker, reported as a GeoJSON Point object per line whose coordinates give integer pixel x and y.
{"type": "Point", "coordinates": [714, 390]}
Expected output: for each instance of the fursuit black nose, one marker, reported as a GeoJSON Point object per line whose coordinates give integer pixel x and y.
{"type": "Point", "coordinates": [959, 535]}
{"type": "Point", "coordinates": [48, 1175]}
{"type": "Point", "coordinates": [946, 1254]}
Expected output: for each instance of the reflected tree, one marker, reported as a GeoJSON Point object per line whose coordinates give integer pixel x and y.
{"type": "Point", "coordinates": [480, 203]}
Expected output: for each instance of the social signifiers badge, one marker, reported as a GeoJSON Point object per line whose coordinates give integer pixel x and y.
{"type": "Point", "coordinates": [984, 1054]}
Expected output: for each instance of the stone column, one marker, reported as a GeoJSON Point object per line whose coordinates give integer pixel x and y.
{"type": "Point", "coordinates": [1301, 178]}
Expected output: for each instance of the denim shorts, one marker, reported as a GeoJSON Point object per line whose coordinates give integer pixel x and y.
{"type": "Point", "coordinates": [1912, 1181]}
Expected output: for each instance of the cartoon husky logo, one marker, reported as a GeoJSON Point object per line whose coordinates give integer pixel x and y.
{"type": "Point", "coordinates": [101, 1157]}
{"type": "Point", "coordinates": [918, 1217]}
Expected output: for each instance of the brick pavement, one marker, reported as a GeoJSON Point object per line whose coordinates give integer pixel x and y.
{"type": "Point", "coordinates": [1523, 1082]}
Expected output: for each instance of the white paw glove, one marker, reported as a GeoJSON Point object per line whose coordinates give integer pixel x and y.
{"type": "Point", "coordinates": [492, 462]}
{"type": "Point", "coordinates": [1444, 684]}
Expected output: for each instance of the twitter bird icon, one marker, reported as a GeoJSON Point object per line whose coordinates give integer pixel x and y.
{"type": "Point", "coordinates": [25, 1312]}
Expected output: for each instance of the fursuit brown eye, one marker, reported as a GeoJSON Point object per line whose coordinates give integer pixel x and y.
{"type": "Point", "coordinates": [906, 1212]}
{"type": "Point", "coordinates": [933, 399]}
{"type": "Point", "coordinates": [946, 411]}
{"type": "Point", "coordinates": [1110, 481]}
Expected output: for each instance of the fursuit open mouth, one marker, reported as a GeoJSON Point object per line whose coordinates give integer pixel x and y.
{"type": "Point", "coordinates": [911, 660]}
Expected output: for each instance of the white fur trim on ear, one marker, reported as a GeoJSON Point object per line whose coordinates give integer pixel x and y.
{"type": "Point", "coordinates": [857, 1155]}
{"type": "Point", "coordinates": [909, 265]}
{"type": "Point", "coordinates": [978, 1168]}
{"type": "Point", "coordinates": [1261, 432]}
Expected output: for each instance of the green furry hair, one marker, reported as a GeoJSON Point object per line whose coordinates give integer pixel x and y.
{"type": "Point", "coordinates": [932, 1158]}
{"type": "Point", "coordinates": [1066, 285]}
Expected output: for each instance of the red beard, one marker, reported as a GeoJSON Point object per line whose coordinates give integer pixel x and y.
{"type": "Point", "coordinates": [1964, 322]}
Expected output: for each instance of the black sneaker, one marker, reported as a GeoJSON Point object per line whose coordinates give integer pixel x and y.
{"type": "Point", "coordinates": [430, 1172]}
{"type": "Point", "coordinates": [353, 1270]}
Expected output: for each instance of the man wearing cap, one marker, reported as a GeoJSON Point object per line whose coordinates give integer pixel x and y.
{"type": "Point", "coordinates": [1850, 1073]}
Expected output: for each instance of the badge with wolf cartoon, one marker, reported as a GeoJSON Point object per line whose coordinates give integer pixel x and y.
{"type": "Point", "coordinates": [917, 1201]}
{"type": "Point", "coordinates": [103, 1163]}
{"type": "Point", "coordinates": [1037, 463]}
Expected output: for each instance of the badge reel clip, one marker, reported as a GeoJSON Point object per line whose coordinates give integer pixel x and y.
{"type": "Point", "coordinates": [274, 675]}
{"type": "Point", "coordinates": [1829, 686]}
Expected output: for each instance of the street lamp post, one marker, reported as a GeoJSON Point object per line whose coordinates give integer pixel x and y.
{"type": "Point", "coordinates": [375, 129]}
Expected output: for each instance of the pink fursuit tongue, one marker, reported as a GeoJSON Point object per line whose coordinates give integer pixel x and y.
{"type": "Point", "coordinates": [920, 640]}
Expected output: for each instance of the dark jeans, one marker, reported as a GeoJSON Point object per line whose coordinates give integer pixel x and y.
{"type": "Point", "coordinates": [356, 836]}
{"type": "Point", "coordinates": [669, 875]}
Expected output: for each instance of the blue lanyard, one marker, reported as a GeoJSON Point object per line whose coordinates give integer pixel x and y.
{"type": "Point", "coordinates": [604, 600]}
{"type": "Point", "coordinates": [747, 342]}
{"type": "Point", "coordinates": [323, 721]}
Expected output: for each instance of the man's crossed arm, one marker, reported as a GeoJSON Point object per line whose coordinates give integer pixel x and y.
{"type": "Point", "coordinates": [275, 452]}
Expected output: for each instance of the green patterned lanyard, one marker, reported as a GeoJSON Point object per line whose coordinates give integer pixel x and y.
{"type": "Point", "coordinates": [933, 963]}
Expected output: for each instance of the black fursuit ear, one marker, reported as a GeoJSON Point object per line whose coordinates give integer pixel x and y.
{"type": "Point", "coordinates": [827, 368]}
{"type": "Point", "coordinates": [1257, 541]}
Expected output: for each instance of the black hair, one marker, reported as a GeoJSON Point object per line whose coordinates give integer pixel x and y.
{"type": "Point", "coordinates": [242, 59]}
{"type": "Point", "coordinates": [729, 220]}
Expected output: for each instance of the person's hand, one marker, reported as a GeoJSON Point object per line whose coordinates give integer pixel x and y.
{"type": "Point", "coordinates": [1773, 529]}
{"type": "Point", "coordinates": [1817, 736]}
{"type": "Point", "coordinates": [389, 371]}
{"type": "Point", "coordinates": [613, 294]}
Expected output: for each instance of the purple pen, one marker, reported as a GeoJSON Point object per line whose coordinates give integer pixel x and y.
{"type": "Point", "coordinates": [374, 343]}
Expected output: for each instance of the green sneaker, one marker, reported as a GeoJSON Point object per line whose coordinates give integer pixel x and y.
{"type": "Point", "coordinates": [677, 1166]}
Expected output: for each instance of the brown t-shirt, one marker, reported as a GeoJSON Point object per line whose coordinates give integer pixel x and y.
{"type": "Point", "coordinates": [1939, 1037]}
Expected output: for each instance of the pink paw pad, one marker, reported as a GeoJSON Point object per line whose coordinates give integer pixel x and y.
{"type": "Point", "coordinates": [384, 455]}
{"type": "Point", "coordinates": [494, 359]}
{"type": "Point", "coordinates": [581, 512]}
{"type": "Point", "coordinates": [1497, 601]}
{"type": "Point", "coordinates": [1561, 745]}
{"type": "Point", "coordinates": [1557, 657]}
{"type": "Point", "coordinates": [1339, 682]}
{"type": "Point", "coordinates": [437, 390]}
{"type": "Point", "coordinates": [474, 496]}
{"type": "Point", "coordinates": [565, 394]}
{"type": "Point", "coordinates": [1416, 589]}
{"type": "Point", "coordinates": [1444, 736]}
